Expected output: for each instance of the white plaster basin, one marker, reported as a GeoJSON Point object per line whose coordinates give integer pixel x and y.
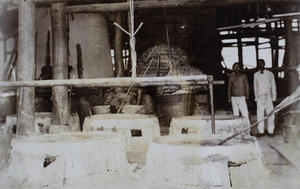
{"type": "Point", "coordinates": [199, 124]}
{"type": "Point", "coordinates": [137, 131]}
{"type": "Point", "coordinates": [181, 159]}
{"type": "Point", "coordinates": [38, 161]}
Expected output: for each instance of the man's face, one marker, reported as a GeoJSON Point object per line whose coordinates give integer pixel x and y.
{"type": "Point", "coordinates": [236, 68]}
{"type": "Point", "coordinates": [261, 65]}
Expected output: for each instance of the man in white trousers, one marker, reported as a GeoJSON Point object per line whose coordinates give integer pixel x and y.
{"type": "Point", "coordinates": [238, 92]}
{"type": "Point", "coordinates": [265, 93]}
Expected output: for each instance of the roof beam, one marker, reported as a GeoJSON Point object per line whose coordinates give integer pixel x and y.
{"type": "Point", "coordinates": [90, 6]}
{"type": "Point", "coordinates": [119, 7]}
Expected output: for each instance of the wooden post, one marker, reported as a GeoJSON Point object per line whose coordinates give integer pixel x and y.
{"type": "Point", "coordinates": [257, 49]}
{"type": "Point", "coordinates": [240, 48]}
{"type": "Point", "coordinates": [211, 93]}
{"type": "Point", "coordinates": [276, 63]}
{"type": "Point", "coordinates": [26, 67]}
{"type": "Point", "coordinates": [132, 39]}
{"type": "Point", "coordinates": [274, 52]}
{"type": "Point", "coordinates": [289, 55]}
{"type": "Point", "coordinates": [60, 99]}
{"type": "Point", "coordinates": [118, 43]}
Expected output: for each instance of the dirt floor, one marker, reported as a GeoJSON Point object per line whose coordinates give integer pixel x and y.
{"type": "Point", "coordinates": [283, 173]}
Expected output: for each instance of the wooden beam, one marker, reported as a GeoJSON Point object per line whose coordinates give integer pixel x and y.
{"type": "Point", "coordinates": [292, 14]}
{"type": "Point", "coordinates": [138, 5]}
{"type": "Point", "coordinates": [249, 25]}
{"type": "Point", "coordinates": [168, 3]}
{"type": "Point", "coordinates": [26, 67]}
{"type": "Point", "coordinates": [250, 32]}
{"type": "Point", "coordinates": [111, 82]}
{"type": "Point", "coordinates": [60, 97]}
{"type": "Point", "coordinates": [118, 46]}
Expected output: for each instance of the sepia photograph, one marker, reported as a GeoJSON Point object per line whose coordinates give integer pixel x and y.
{"type": "Point", "coordinates": [145, 94]}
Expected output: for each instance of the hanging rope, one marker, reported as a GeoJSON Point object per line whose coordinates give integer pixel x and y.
{"type": "Point", "coordinates": [169, 48]}
{"type": "Point", "coordinates": [132, 46]}
{"type": "Point", "coordinates": [131, 33]}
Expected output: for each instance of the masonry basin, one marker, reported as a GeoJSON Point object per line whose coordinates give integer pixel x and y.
{"type": "Point", "coordinates": [137, 130]}
{"type": "Point", "coordinates": [52, 159]}
{"type": "Point", "coordinates": [202, 125]}
{"type": "Point", "coordinates": [200, 161]}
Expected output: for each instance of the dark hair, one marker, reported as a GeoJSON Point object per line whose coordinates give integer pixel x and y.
{"type": "Point", "coordinates": [236, 63]}
{"type": "Point", "coordinates": [261, 60]}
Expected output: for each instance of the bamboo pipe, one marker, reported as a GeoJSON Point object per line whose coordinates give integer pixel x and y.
{"type": "Point", "coordinates": [110, 82]}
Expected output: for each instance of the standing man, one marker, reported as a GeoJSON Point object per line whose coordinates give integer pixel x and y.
{"type": "Point", "coordinates": [238, 92]}
{"type": "Point", "coordinates": [265, 94]}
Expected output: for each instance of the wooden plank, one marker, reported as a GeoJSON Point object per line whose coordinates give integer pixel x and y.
{"type": "Point", "coordinates": [288, 154]}
{"type": "Point", "coordinates": [26, 67]}
{"type": "Point", "coordinates": [111, 82]}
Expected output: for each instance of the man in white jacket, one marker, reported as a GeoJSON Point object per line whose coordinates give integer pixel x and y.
{"type": "Point", "coordinates": [265, 94]}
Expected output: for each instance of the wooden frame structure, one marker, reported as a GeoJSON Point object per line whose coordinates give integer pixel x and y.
{"type": "Point", "coordinates": [26, 65]}
{"type": "Point", "coordinates": [26, 49]}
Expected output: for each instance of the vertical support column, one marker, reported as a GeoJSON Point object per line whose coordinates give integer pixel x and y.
{"type": "Point", "coordinates": [274, 51]}
{"type": "Point", "coordinates": [26, 67]}
{"type": "Point", "coordinates": [132, 40]}
{"type": "Point", "coordinates": [240, 48]}
{"type": "Point", "coordinates": [211, 93]}
{"type": "Point", "coordinates": [257, 49]}
{"type": "Point", "coordinates": [276, 63]}
{"type": "Point", "coordinates": [60, 99]}
{"type": "Point", "coordinates": [289, 55]}
{"type": "Point", "coordinates": [118, 43]}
